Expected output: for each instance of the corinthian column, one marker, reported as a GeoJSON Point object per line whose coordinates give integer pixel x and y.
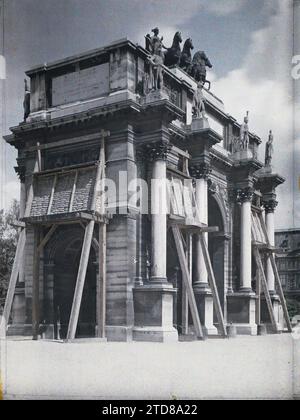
{"type": "Point", "coordinates": [201, 173]}
{"type": "Point", "coordinates": [203, 294]}
{"type": "Point", "coordinates": [158, 154]}
{"type": "Point", "coordinates": [244, 197]}
{"type": "Point", "coordinates": [269, 207]}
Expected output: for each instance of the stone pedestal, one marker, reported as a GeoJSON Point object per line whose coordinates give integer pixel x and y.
{"type": "Point", "coordinates": [277, 312]}
{"type": "Point", "coordinates": [153, 313]}
{"type": "Point", "coordinates": [242, 155]}
{"type": "Point", "coordinates": [241, 312]}
{"type": "Point", "coordinates": [199, 124]}
{"type": "Point", "coordinates": [155, 96]}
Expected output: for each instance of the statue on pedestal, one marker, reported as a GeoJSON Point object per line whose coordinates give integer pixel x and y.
{"type": "Point", "coordinates": [244, 133]}
{"type": "Point", "coordinates": [26, 102]}
{"type": "Point", "coordinates": [269, 150]}
{"type": "Point", "coordinates": [155, 47]}
{"type": "Point", "coordinates": [198, 102]}
{"type": "Point", "coordinates": [198, 68]}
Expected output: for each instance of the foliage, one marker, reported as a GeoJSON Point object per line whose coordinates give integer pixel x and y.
{"type": "Point", "coordinates": [8, 243]}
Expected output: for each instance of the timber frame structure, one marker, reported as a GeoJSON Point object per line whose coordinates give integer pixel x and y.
{"type": "Point", "coordinates": [93, 265]}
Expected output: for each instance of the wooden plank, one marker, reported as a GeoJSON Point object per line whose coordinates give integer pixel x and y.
{"type": "Point", "coordinates": [47, 238]}
{"type": "Point", "coordinates": [73, 192]}
{"type": "Point", "coordinates": [36, 285]}
{"type": "Point", "coordinates": [186, 279]}
{"type": "Point", "coordinates": [99, 173]}
{"type": "Point", "coordinates": [39, 157]}
{"type": "Point", "coordinates": [258, 302]}
{"type": "Point", "coordinates": [14, 275]}
{"type": "Point", "coordinates": [185, 302]}
{"type": "Point", "coordinates": [281, 294]}
{"type": "Point", "coordinates": [17, 224]}
{"type": "Point", "coordinates": [30, 193]}
{"type": "Point", "coordinates": [52, 194]}
{"type": "Point", "coordinates": [84, 259]}
{"type": "Point", "coordinates": [61, 143]}
{"type": "Point", "coordinates": [265, 289]}
{"type": "Point", "coordinates": [101, 286]}
{"type": "Point", "coordinates": [213, 285]}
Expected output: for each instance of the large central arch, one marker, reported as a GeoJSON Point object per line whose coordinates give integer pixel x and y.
{"type": "Point", "coordinates": [62, 257]}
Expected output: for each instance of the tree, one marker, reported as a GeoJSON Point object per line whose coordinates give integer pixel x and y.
{"type": "Point", "coordinates": [8, 243]}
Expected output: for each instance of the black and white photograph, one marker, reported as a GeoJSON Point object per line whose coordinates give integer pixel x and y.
{"type": "Point", "coordinates": [149, 202]}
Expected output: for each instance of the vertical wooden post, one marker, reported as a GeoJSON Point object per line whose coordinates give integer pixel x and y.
{"type": "Point", "coordinates": [186, 279]}
{"type": "Point", "coordinates": [265, 289]}
{"type": "Point", "coordinates": [14, 276]}
{"type": "Point", "coordinates": [185, 306]}
{"type": "Point", "coordinates": [84, 259]}
{"type": "Point", "coordinates": [213, 285]}
{"type": "Point", "coordinates": [101, 286]}
{"type": "Point", "coordinates": [36, 285]}
{"type": "Point", "coordinates": [258, 302]}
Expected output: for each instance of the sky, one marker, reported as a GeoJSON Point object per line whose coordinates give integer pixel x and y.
{"type": "Point", "coordinates": [249, 42]}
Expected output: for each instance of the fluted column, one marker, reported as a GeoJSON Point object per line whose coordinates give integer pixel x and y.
{"type": "Point", "coordinates": [269, 207]}
{"type": "Point", "coordinates": [200, 173]}
{"type": "Point", "coordinates": [158, 155]}
{"type": "Point", "coordinates": [244, 197]}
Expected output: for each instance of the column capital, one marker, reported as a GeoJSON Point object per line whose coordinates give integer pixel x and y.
{"type": "Point", "coordinates": [269, 205]}
{"type": "Point", "coordinates": [200, 170]}
{"type": "Point", "coordinates": [243, 195]}
{"type": "Point", "coordinates": [156, 151]}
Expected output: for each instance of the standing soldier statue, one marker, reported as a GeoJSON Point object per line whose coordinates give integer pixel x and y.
{"type": "Point", "coordinates": [244, 133]}
{"type": "Point", "coordinates": [269, 150]}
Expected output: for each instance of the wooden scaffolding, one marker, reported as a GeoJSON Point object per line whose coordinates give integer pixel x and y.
{"type": "Point", "coordinates": [184, 221]}
{"type": "Point", "coordinates": [263, 250]}
{"type": "Point", "coordinates": [88, 219]}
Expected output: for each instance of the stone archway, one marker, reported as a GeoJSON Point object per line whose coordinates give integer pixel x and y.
{"type": "Point", "coordinates": [217, 245]}
{"type": "Point", "coordinates": [64, 252]}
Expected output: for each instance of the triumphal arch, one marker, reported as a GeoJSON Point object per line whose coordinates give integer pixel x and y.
{"type": "Point", "coordinates": [145, 211]}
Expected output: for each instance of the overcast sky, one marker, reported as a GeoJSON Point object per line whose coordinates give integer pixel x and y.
{"type": "Point", "coordinates": [248, 41]}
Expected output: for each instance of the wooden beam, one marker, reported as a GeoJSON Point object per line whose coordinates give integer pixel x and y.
{"type": "Point", "coordinates": [14, 275]}
{"type": "Point", "coordinates": [18, 224]}
{"type": "Point", "coordinates": [47, 238]}
{"type": "Point", "coordinates": [39, 156]}
{"type": "Point", "coordinates": [281, 294]}
{"type": "Point", "coordinates": [186, 279]}
{"type": "Point", "coordinates": [185, 302]}
{"type": "Point", "coordinates": [31, 192]}
{"type": "Point", "coordinates": [36, 285]}
{"type": "Point", "coordinates": [265, 289]}
{"type": "Point", "coordinates": [84, 259]}
{"type": "Point", "coordinates": [101, 286]}
{"type": "Point", "coordinates": [52, 194]}
{"type": "Point", "coordinates": [73, 192]}
{"type": "Point", "coordinates": [213, 286]}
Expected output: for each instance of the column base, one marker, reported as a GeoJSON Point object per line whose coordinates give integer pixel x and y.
{"type": "Point", "coordinates": [118, 333]}
{"type": "Point", "coordinates": [246, 329]}
{"type": "Point", "coordinates": [205, 305]}
{"type": "Point", "coordinates": [155, 334]}
{"type": "Point", "coordinates": [153, 313]}
{"type": "Point", "coordinates": [265, 317]}
{"type": "Point", "coordinates": [241, 312]}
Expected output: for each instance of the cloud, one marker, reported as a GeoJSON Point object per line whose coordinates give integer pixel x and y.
{"type": "Point", "coordinates": [263, 86]}
{"type": "Point", "coordinates": [223, 8]}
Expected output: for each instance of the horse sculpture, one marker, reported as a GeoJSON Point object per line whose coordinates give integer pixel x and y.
{"type": "Point", "coordinates": [198, 68]}
{"type": "Point", "coordinates": [186, 55]}
{"type": "Point", "coordinates": [172, 55]}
